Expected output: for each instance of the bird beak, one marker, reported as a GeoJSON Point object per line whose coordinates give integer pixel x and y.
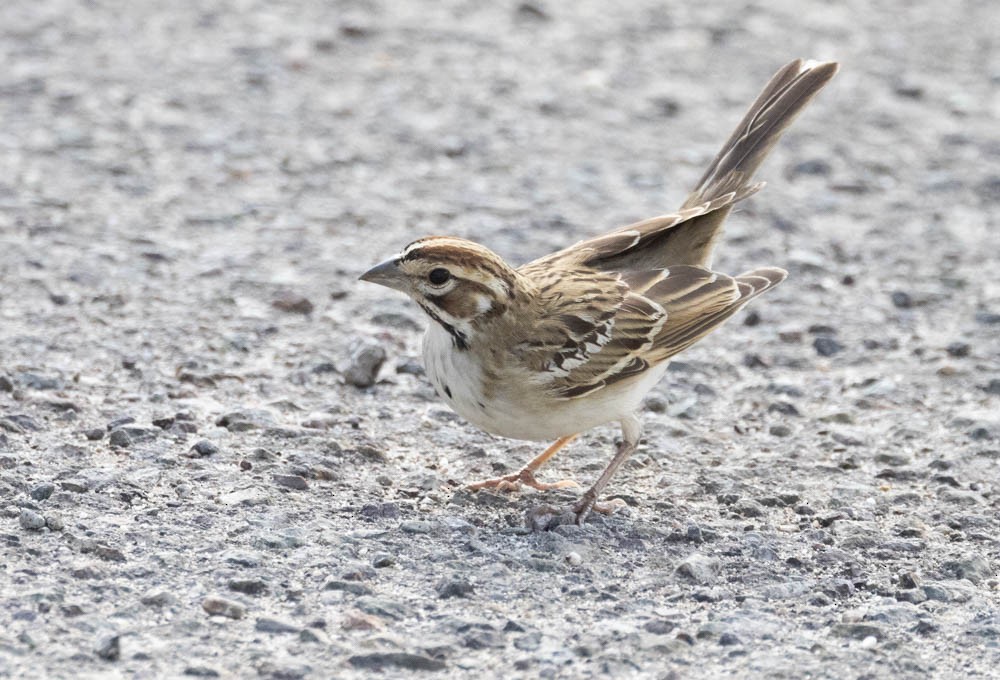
{"type": "Point", "coordinates": [387, 274]}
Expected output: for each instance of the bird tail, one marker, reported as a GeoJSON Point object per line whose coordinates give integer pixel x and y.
{"type": "Point", "coordinates": [783, 98]}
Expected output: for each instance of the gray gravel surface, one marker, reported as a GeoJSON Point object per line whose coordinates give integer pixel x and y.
{"type": "Point", "coordinates": [219, 457]}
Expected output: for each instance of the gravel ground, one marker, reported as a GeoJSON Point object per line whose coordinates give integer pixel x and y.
{"type": "Point", "coordinates": [219, 457]}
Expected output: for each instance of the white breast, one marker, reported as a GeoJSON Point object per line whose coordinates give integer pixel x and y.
{"type": "Point", "coordinates": [520, 410]}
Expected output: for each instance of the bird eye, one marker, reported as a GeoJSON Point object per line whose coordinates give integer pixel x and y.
{"type": "Point", "coordinates": [438, 276]}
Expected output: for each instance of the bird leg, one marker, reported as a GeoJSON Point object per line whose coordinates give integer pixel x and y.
{"type": "Point", "coordinates": [526, 475]}
{"type": "Point", "coordinates": [547, 517]}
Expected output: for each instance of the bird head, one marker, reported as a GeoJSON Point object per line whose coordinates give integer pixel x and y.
{"type": "Point", "coordinates": [460, 284]}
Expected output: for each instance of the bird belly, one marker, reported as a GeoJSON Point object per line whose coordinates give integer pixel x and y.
{"type": "Point", "coordinates": [519, 409]}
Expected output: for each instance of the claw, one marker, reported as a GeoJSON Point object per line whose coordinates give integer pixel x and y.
{"type": "Point", "coordinates": [524, 477]}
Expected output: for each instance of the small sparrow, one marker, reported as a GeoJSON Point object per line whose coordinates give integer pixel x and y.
{"type": "Point", "coordinates": [577, 338]}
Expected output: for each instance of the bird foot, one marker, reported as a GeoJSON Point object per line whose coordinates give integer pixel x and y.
{"type": "Point", "coordinates": [524, 477]}
{"type": "Point", "coordinates": [548, 517]}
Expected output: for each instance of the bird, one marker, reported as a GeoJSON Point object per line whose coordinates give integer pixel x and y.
{"type": "Point", "coordinates": [576, 339]}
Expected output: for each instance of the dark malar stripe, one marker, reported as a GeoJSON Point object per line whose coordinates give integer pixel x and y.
{"type": "Point", "coordinates": [457, 337]}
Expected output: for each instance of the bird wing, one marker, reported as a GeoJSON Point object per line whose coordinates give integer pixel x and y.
{"type": "Point", "coordinates": [598, 328]}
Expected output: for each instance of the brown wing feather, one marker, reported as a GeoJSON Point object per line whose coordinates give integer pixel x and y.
{"type": "Point", "coordinates": [626, 322]}
{"type": "Point", "coordinates": [693, 315]}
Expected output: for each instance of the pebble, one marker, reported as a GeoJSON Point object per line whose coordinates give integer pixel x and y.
{"type": "Point", "coordinates": [247, 419]}
{"type": "Point", "coordinates": [219, 606]}
{"type": "Point", "coordinates": [94, 434]}
{"type": "Point", "coordinates": [296, 482]}
{"type": "Point", "coordinates": [288, 301]}
{"type": "Point", "coordinates": [271, 625]}
{"type": "Point", "coordinates": [109, 648]}
{"type": "Point", "coordinates": [454, 587]}
{"type": "Point", "coordinates": [42, 492]}
{"type": "Point", "coordinates": [204, 447]}
{"type": "Point", "coordinates": [416, 526]}
{"type": "Point", "coordinates": [902, 299]}
{"type": "Point", "coordinates": [31, 520]}
{"type": "Point", "coordinates": [248, 586]}
{"type": "Point", "coordinates": [785, 408]}
{"type": "Point", "coordinates": [827, 346]}
{"type": "Point", "coordinates": [974, 568]}
{"type": "Point", "coordinates": [378, 661]}
{"type": "Point", "coordinates": [157, 598]}
{"type": "Point", "coordinates": [74, 486]}
{"type": "Point", "coordinates": [958, 349]}
{"type": "Point", "coordinates": [858, 631]}
{"type": "Point", "coordinates": [378, 606]}
{"type": "Point", "coordinates": [780, 430]}
{"type": "Point", "coordinates": [363, 365]}
{"type": "Point", "coordinates": [120, 439]}
{"type": "Point", "coordinates": [700, 569]}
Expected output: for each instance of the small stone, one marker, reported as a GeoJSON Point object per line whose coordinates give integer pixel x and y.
{"type": "Point", "coordinates": [858, 631]}
{"type": "Point", "coordinates": [531, 10]}
{"type": "Point", "coordinates": [31, 520]}
{"type": "Point", "coordinates": [814, 166]}
{"type": "Point", "coordinates": [218, 606]}
{"type": "Point", "coordinates": [384, 608]}
{"type": "Point", "coordinates": [42, 492]}
{"type": "Point", "coordinates": [454, 587]}
{"type": "Point", "coordinates": [364, 363]}
{"type": "Point", "coordinates": [348, 587]}
{"type": "Point", "coordinates": [204, 448]}
{"type": "Point", "coordinates": [416, 526]}
{"type": "Point", "coordinates": [654, 403]}
{"type": "Point", "coordinates": [109, 554]}
{"type": "Point", "coordinates": [74, 486]}
{"type": "Point", "coordinates": [201, 672]}
{"type": "Point", "coordinates": [164, 423]}
{"type": "Point", "coordinates": [380, 511]}
{"type": "Point", "coordinates": [784, 408]}
{"type": "Point", "coordinates": [902, 300]}
{"type": "Point", "coordinates": [120, 421]}
{"type": "Point", "coordinates": [120, 439]}
{"type": "Point", "coordinates": [109, 648]}
{"type": "Point", "coordinates": [270, 625]}
{"type": "Point", "coordinates": [752, 318]}
{"type": "Point", "coordinates": [780, 430]}
{"type": "Point", "coordinates": [6, 385]}
{"type": "Point", "coordinates": [248, 586]}
{"type": "Point", "coordinates": [54, 522]}
{"type": "Point", "coordinates": [94, 434]}
{"type": "Point", "coordinates": [296, 482]}
{"type": "Point", "coordinates": [381, 660]}
{"type": "Point", "coordinates": [355, 620]}
{"type": "Point", "coordinates": [826, 346]}
{"type": "Point", "coordinates": [410, 367]}
{"type": "Point", "coordinates": [992, 387]}
{"type": "Point", "coordinates": [383, 560]}
{"type": "Point", "coordinates": [988, 318]}
{"type": "Point", "coordinates": [729, 640]}
{"type": "Point", "coordinates": [974, 568]}
{"type": "Point", "coordinates": [157, 598]}
{"type": "Point", "coordinates": [288, 301]}
{"type": "Point", "coordinates": [958, 349]}
{"type": "Point", "coordinates": [699, 568]}
{"type": "Point", "coordinates": [246, 420]}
